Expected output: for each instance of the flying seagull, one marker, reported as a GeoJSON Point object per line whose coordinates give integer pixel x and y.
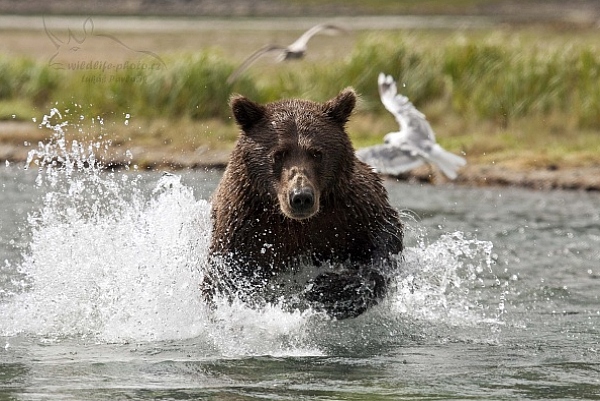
{"type": "Point", "coordinates": [294, 51]}
{"type": "Point", "coordinates": [413, 145]}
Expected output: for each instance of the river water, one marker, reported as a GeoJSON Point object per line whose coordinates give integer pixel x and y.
{"type": "Point", "coordinates": [99, 272]}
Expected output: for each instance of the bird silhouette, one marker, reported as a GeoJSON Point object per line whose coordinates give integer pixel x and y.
{"type": "Point", "coordinates": [413, 145]}
{"type": "Point", "coordinates": [295, 51]}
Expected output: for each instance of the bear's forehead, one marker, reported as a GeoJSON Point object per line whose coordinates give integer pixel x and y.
{"type": "Point", "coordinates": [301, 117]}
{"type": "Point", "coordinates": [296, 121]}
{"type": "Point", "coordinates": [300, 123]}
{"type": "Point", "coordinates": [288, 133]}
{"type": "Point", "coordinates": [301, 130]}
{"type": "Point", "coordinates": [283, 115]}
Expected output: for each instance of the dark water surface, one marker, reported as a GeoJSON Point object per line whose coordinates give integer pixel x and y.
{"type": "Point", "coordinates": [499, 299]}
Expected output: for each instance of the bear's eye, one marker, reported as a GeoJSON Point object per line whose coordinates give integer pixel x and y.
{"type": "Point", "coordinates": [278, 156]}
{"type": "Point", "coordinates": [316, 155]}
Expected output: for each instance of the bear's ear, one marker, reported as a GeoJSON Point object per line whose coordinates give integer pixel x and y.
{"type": "Point", "coordinates": [340, 107]}
{"type": "Point", "coordinates": [246, 112]}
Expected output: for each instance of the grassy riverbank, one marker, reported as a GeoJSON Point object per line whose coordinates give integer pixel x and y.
{"type": "Point", "coordinates": [501, 96]}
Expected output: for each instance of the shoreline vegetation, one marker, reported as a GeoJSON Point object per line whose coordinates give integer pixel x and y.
{"type": "Point", "coordinates": [521, 104]}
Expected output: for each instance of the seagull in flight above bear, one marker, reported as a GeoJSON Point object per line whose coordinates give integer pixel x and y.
{"type": "Point", "coordinates": [295, 51]}
{"type": "Point", "coordinates": [413, 145]}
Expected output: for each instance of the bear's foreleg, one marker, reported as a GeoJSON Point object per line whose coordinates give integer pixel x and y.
{"type": "Point", "coordinates": [346, 294]}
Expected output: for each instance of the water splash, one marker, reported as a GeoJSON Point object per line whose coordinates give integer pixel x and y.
{"type": "Point", "coordinates": [105, 259]}
{"type": "Point", "coordinates": [111, 261]}
{"type": "Point", "coordinates": [443, 277]}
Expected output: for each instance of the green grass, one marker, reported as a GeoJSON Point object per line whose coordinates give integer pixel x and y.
{"type": "Point", "coordinates": [188, 85]}
{"type": "Point", "coordinates": [486, 94]}
{"type": "Point", "coordinates": [24, 78]}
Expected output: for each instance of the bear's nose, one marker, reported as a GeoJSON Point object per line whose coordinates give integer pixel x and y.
{"type": "Point", "coordinates": [302, 199]}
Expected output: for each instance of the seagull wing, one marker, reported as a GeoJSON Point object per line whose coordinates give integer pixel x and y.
{"type": "Point", "coordinates": [420, 143]}
{"type": "Point", "coordinates": [395, 103]}
{"type": "Point", "coordinates": [448, 162]}
{"type": "Point", "coordinates": [413, 124]}
{"type": "Point", "coordinates": [253, 57]}
{"type": "Point", "coordinates": [300, 43]}
{"type": "Point", "coordinates": [416, 137]}
{"type": "Point", "coordinates": [390, 160]}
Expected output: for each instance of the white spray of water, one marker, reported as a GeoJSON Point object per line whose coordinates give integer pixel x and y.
{"type": "Point", "coordinates": [104, 260]}
{"type": "Point", "coordinates": [441, 277]}
{"type": "Point", "coordinates": [110, 262]}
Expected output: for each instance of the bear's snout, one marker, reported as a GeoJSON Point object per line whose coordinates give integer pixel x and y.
{"type": "Point", "coordinates": [299, 199]}
{"type": "Point", "coordinates": [302, 200]}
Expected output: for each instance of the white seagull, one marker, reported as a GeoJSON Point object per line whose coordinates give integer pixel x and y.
{"type": "Point", "coordinates": [296, 50]}
{"type": "Point", "coordinates": [413, 145]}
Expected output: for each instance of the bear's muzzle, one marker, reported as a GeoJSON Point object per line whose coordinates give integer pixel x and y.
{"type": "Point", "coordinates": [301, 200]}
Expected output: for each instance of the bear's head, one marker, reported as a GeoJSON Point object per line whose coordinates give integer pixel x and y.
{"type": "Point", "coordinates": [295, 152]}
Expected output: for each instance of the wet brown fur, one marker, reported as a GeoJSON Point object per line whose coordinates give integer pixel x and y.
{"type": "Point", "coordinates": [286, 145]}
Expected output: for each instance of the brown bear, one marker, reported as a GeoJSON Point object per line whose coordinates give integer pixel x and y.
{"type": "Point", "coordinates": [294, 194]}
